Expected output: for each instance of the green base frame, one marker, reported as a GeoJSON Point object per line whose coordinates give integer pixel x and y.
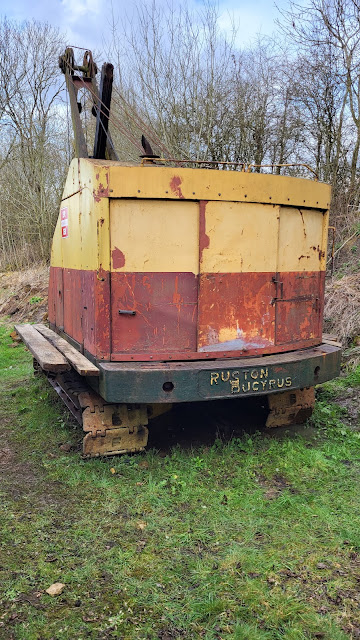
{"type": "Point", "coordinates": [170, 382]}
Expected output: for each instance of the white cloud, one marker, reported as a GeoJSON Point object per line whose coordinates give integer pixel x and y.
{"type": "Point", "coordinates": [86, 22]}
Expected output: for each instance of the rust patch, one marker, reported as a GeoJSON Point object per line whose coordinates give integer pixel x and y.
{"type": "Point", "coordinates": [118, 258]}
{"type": "Point", "coordinates": [230, 318]}
{"type": "Point", "coordinates": [204, 240]}
{"type": "Point", "coordinates": [175, 186]}
{"type": "Point", "coordinates": [164, 320]}
{"type": "Point", "coordinates": [303, 222]}
{"type": "Point", "coordinates": [72, 304]}
{"type": "Point", "coordinates": [102, 314]}
{"type": "Point", "coordinates": [320, 252]}
{"type": "Point", "coordinates": [88, 313]}
{"type": "Point", "coordinates": [102, 192]}
{"type": "Point", "coordinates": [299, 313]}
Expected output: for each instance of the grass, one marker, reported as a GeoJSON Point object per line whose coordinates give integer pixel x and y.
{"type": "Point", "coordinates": [253, 539]}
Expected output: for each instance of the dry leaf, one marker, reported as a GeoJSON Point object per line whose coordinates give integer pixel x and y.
{"type": "Point", "coordinates": [141, 525]}
{"type": "Point", "coordinates": [55, 589]}
{"type": "Point", "coordinates": [143, 464]}
{"type": "Point", "coordinates": [112, 470]}
{"type": "Point", "coordinates": [65, 447]}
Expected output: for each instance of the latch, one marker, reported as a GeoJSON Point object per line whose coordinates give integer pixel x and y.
{"type": "Point", "coordinates": [281, 284]}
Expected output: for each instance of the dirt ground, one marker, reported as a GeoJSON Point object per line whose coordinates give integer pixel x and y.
{"type": "Point", "coordinates": [24, 295]}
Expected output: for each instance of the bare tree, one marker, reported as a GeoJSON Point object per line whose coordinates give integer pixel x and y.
{"type": "Point", "coordinates": [31, 158]}
{"type": "Point", "coordinates": [327, 33]}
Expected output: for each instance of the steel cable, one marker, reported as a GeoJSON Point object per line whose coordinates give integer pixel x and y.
{"type": "Point", "coordinates": [112, 119]}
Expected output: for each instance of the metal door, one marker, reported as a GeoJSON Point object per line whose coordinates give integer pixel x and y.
{"type": "Point", "coordinates": [299, 281]}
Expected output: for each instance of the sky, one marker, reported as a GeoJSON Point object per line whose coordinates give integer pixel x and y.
{"type": "Point", "coordinates": [86, 22]}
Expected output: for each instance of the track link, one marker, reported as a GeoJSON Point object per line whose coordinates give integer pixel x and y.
{"type": "Point", "coordinates": [110, 428]}
{"type": "Point", "coordinates": [290, 407]}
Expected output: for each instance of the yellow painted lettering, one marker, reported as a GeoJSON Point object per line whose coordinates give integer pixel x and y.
{"type": "Point", "coordinates": [235, 375]}
{"type": "Point", "coordinates": [264, 383]}
{"type": "Point", "coordinates": [272, 384]}
{"type": "Point", "coordinates": [254, 374]}
{"type": "Point", "coordinates": [280, 382]}
{"type": "Point", "coordinates": [264, 373]}
{"type": "Point", "coordinates": [235, 385]}
{"type": "Point", "coordinates": [255, 388]}
{"type": "Point", "coordinates": [214, 377]}
{"type": "Point", "coordinates": [288, 382]}
{"type": "Point", "coordinates": [225, 379]}
{"type": "Point", "coordinates": [248, 387]}
{"type": "Point", "coordinates": [245, 372]}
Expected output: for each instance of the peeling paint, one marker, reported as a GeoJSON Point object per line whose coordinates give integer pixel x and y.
{"type": "Point", "coordinates": [239, 344]}
{"type": "Point", "coordinates": [204, 240]}
{"type": "Point", "coordinates": [118, 258]}
{"type": "Point", "coordinates": [175, 186]}
{"type": "Point", "coordinates": [101, 192]}
{"type": "Point", "coordinates": [303, 222]}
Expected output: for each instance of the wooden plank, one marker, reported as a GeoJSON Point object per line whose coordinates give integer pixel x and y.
{"type": "Point", "coordinates": [335, 343]}
{"type": "Point", "coordinates": [77, 360]}
{"type": "Point", "coordinates": [329, 338]}
{"type": "Point", "coordinates": [48, 357]}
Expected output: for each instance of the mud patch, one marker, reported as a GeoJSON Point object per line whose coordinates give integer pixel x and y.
{"type": "Point", "coordinates": [350, 401]}
{"type": "Point", "coordinates": [275, 486]}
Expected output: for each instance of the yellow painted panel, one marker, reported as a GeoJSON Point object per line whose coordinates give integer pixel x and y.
{"type": "Point", "coordinates": [241, 232]}
{"type": "Point", "coordinates": [325, 238]}
{"type": "Point", "coordinates": [301, 240]}
{"type": "Point", "coordinates": [242, 237]}
{"type": "Point", "coordinates": [154, 235]}
{"type": "Point", "coordinates": [71, 245]}
{"type": "Point", "coordinates": [71, 186]}
{"type": "Point", "coordinates": [56, 255]}
{"type": "Point", "coordinates": [204, 184]}
{"type": "Point", "coordinates": [87, 243]}
{"type": "Point", "coordinates": [94, 205]}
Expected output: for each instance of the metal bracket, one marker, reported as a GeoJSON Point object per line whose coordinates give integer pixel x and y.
{"type": "Point", "coordinates": [281, 285]}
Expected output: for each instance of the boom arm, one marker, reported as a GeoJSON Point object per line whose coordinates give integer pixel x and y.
{"type": "Point", "coordinates": [103, 146]}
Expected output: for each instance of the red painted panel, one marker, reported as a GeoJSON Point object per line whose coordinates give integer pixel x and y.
{"type": "Point", "coordinates": [211, 355]}
{"type": "Point", "coordinates": [56, 299]}
{"type": "Point", "coordinates": [88, 310]}
{"type": "Point", "coordinates": [165, 323]}
{"type": "Point", "coordinates": [165, 306]}
{"type": "Point", "coordinates": [73, 304]}
{"type": "Point", "coordinates": [239, 305]}
{"type": "Point", "coordinates": [322, 296]}
{"type": "Point", "coordinates": [51, 296]}
{"type": "Point", "coordinates": [299, 306]}
{"type": "Point", "coordinates": [59, 297]}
